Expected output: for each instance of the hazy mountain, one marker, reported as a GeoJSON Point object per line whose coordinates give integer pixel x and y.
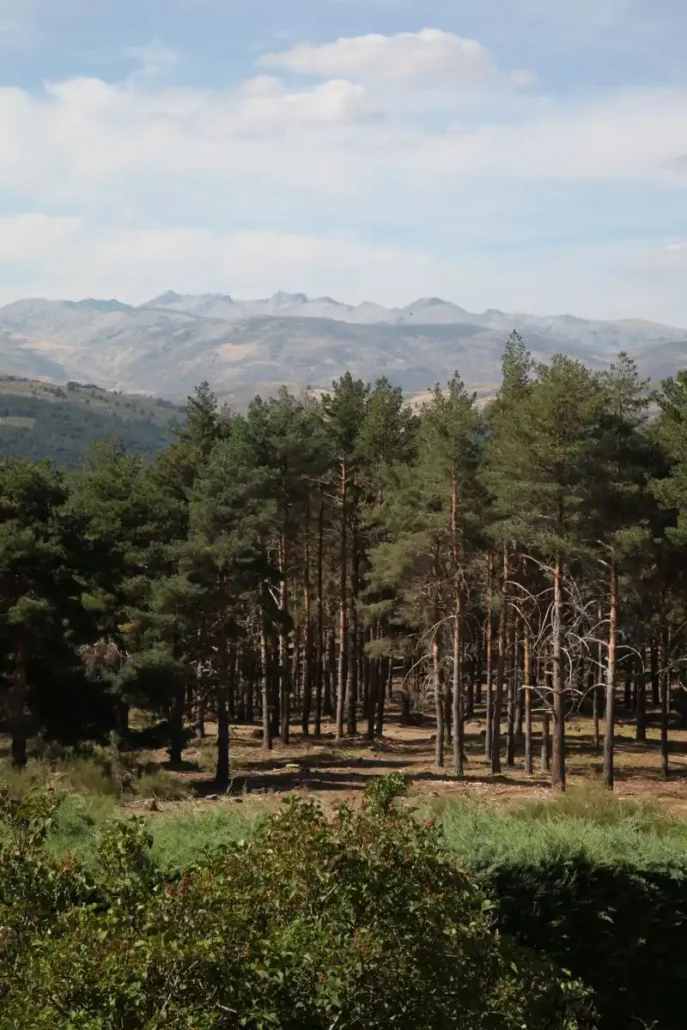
{"type": "Point", "coordinates": [171, 343]}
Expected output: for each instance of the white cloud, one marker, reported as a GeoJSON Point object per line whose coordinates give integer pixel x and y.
{"type": "Point", "coordinates": [154, 57]}
{"type": "Point", "coordinates": [26, 237]}
{"type": "Point", "coordinates": [427, 58]}
{"type": "Point", "coordinates": [133, 174]}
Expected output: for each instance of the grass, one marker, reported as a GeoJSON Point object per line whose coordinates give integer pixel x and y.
{"type": "Point", "coordinates": [585, 822]}
{"type": "Point", "coordinates": [183, 837]}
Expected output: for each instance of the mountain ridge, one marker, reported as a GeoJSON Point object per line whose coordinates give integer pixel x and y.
{"type": "Point", "coordinates": [169, 344]}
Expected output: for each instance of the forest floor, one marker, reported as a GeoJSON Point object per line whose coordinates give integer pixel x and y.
{"type": "Point", "coordinates": [338, 771]}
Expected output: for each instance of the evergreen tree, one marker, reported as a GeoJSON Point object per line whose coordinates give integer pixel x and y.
{"type": "Point", "coordinates": [540, 469]}
{"type": "Point", "coordinates": [42, 621]}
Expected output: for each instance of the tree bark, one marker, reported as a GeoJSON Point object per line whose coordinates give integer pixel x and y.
{"type": "Point", "coordinates": [307, 630]}
{"type": "Point", "coordinates": [500, 668]}
{"type": "Point", "coordinates": [512, 680]}
{"type": "Point", "coordinates": [489, 634]}
{"type": "Point", "coordinates": [284, 671]}
{"type": "Point", "coordinates": [320, 622]}
{"type": "Point", "coordinates": [342, 676]}
{"type": "Point", "coordinates": [640, 731]}
{"type": "Point", "coordinates": [664, 682]}
{"type": "Point", "coordinates": [372, 693]}
{"type": "Point", "coordinates": [222, 700]}
{"type": "Point", "coordinates": [558, 764]}
{"type": "Point", "coordinates": [546, 742]}
{"type": "Point", "coordinates": [387, 668]}
{"type": "Point", "coordinates": [266, 690]}
{"type": "Point", "coordinates": [458, 726]}
{"type": "Point", "coordinates": [438, 700]}
{"type": "Point", "coordinates": [353, 665]}
{"type": "Point", "coordinates": [527, 688]}
{"type": "Point", "coordinates": [609, 725]}
{"type": "Point", "coordinates": [176, 726]}
{"type": "Point", "coordinates": [655, 688]}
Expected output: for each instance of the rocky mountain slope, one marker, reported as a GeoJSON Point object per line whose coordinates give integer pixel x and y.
{"type": "Point", "coordinates": [173, 342]}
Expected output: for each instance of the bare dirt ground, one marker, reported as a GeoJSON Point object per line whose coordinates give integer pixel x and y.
{"type": "Point", "coordinates": [337, 771]}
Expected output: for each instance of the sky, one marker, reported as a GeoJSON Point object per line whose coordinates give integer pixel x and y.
{"type": "Point", "coordinates": [528, 155]}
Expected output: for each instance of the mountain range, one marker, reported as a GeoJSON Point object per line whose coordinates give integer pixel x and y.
{"type": "Point", "coordinates": [168, 345]}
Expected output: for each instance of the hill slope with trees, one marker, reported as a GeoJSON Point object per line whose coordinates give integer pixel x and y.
{"type": "Point", "coordinates": [40, 420]}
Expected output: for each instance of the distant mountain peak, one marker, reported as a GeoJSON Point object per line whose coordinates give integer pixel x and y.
{"type": "Point", "coordinates": [170, 297]}
{"type": "Point", "coordinates": [93, 304]}
{"type": "Point", "coordinates": [424, 302]}
{"type": "Point", "coordinates": [281, 299]}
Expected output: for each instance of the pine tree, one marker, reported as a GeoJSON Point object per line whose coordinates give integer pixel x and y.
{"type": "Point", "coordinates": [41, 616]}
{"type": "Point", "coordinates": [232, 516]}
{"type": "Point", "coordinates": [344, 411]}
{"type": "Point", "coordinates": [540, 470]}
{"type": "Point", "coordinates": [621, 482]}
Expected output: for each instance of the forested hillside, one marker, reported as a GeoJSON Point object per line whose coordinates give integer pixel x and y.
{"type": "Point", "coordinates": [328, 579]}
{"type": "Point", "coordinates": [285, 564]}
{"type": "Point", "coordinates": [40, 420]}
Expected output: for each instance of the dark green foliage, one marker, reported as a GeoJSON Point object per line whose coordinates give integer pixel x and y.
{"type": "Point", "coordinates": [61, 423]}
{"type": "Point", "coordinates": [620, 928]}
{"type": "Point", "coordinates": [363, 921]}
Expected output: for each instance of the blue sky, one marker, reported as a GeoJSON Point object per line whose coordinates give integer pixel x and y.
{"type": "Point", "coordinates": [522, 154]}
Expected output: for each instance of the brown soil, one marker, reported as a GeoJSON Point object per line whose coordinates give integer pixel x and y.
{"type": "Point", "coordinates": [336, 771]}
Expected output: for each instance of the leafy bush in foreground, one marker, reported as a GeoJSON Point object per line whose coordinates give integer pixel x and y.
{"type": "Point", "coordinates": [359, 921]}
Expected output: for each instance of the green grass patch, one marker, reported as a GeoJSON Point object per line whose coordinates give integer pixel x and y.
{"type": "Point", "coordinates": [186, 835]}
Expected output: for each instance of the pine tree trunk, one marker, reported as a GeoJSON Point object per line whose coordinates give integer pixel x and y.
{"type": "Point", "coordinates": [372, 688]}
{"type": "Point", "coordinates": [664, 681]}
{"type": "Point", "coordinates": [176, 726]}
{"type": "Point", "coordinates": [284, 677]}
{"type": "Point", "coordinates": [609, 726]}
{"type": "Point", "coordinates": [489, 658]}
{"type": "Point", "coordinates": [438, 701]}
{"type": "Point", "coordinates": [266, 691]}
{"type": "Point", "coordinates": [353, 663]}
{"type": "Point", "coordinates": [500, 668]}
{"type": "Point", "coordinates": [387, 668]}
{"type": "Point", "coordinates": [222, 696]}
{"type": "Point", "coordinates": [343, 607]}
{"type": "Point", "coordinates": [640, 732]}
{"type": "Point", "coordinates": [320, 623]}
{"type": "Point", "coordinates": [512, 673]}
{"type": "Point", "coordinates": [330, 672]}
{"type": "Point", "coordinates": [655, 689]}
{"type": "Point", "coordinates": [307, 630]}
{"type": "Point", "coordinates": [18, 700]}
{"type": "Point", "coordinates": [558, 765]}
{"type": "Point", "coordinates": [458, 727]}
{"type": "Point", "coordinates": [527, 688]}
{"type": "Point", "coordinates": [546, 742]}
{"type": "Point", "coordinates": [223, 742]}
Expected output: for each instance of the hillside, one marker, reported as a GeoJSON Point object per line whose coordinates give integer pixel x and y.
{"type": "Point", "coordinates": [42, 420]}
{"type": "Point", "coordinates": [173, 342]}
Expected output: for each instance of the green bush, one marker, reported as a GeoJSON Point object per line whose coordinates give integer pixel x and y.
{"type": "Point", "coordinates": [359, 921]}
{"type": "Point", "coordinates": [599, 885]}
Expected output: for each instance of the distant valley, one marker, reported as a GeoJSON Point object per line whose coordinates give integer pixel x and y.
{"type": "Point", "coordinates": [168, 345]}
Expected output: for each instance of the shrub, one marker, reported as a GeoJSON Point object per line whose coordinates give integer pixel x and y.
{"type": "Point", "coordinates": [360, 921]}
{"type": "Point", "coordinates": [598, 884]}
